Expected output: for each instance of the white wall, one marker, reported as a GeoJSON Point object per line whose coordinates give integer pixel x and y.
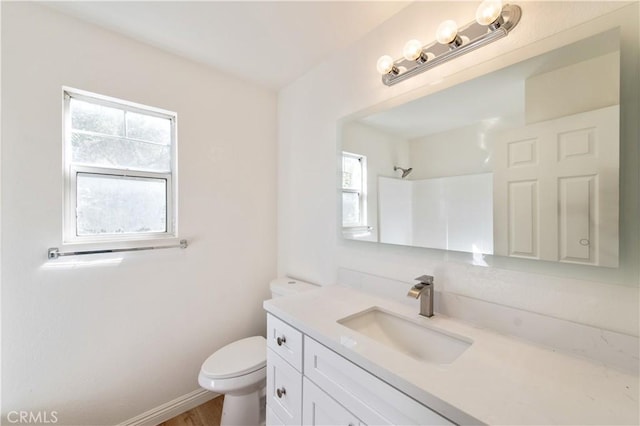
{"type": "Point", "coordinates": [309, 245]}
{"type": "Point", "coordinates": [581, 87]}
{"type": "Point", "coordinates": [461, 151]}
{"type": "Point", "coordinates": [101, 343]}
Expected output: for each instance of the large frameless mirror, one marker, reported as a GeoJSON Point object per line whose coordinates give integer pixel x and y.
{"type": "Point", "coordinates": [521, 162]}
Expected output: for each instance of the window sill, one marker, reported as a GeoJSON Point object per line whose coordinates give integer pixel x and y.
{"type": "Point", "coordinates": [357, 231]}
{"type": "Point", "coordinates": [120, 241]}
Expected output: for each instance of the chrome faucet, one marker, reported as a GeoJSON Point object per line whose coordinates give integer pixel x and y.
{"type": "Point", "coordinates": [424, 291]}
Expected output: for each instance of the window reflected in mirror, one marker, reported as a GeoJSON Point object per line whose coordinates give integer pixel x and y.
{"type": "Point", "coordinates": [354, 184]}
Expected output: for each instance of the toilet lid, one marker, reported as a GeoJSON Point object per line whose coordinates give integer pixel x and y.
{"type": "Point", "coordinates": [237, 358]}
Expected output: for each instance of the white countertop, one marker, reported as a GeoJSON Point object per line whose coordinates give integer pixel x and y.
{"type": "Point", "coordinates": [498, 380]}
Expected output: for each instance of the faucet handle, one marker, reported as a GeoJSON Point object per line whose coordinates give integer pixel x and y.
{"type": "Point", "coordinates": [425, 279]}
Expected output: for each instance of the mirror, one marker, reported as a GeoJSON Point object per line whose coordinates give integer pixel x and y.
{"type": "Point", "coordinates": [521, 162]}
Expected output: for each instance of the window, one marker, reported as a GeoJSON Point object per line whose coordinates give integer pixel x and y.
{"type": "Point", "coordinates": [354, 184]}
{"type": "Point", "coordinates": [120, 162]}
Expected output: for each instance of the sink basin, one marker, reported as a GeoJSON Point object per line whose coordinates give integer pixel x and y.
{"type": "Point", "coordinates": [407, 336]}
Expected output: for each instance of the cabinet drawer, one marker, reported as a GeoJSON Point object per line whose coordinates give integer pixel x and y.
{"type": "Point", "coordinates": [365, 395]}
{"type": "Point", "coordinates": [284, 389]}
{"type": "Point", "coordinates": [319, 409]}
{"type": "Point", "coordinates": [285, 340]}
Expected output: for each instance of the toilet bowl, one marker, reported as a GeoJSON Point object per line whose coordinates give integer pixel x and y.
{"type": "Point", "coordinates": [238, 370]}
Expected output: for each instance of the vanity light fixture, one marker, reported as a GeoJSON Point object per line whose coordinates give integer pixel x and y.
{"type": "Point", "coordinates": [493, 21]}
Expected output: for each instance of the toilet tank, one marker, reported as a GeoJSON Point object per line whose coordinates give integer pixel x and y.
{"type": "Point", "coordinates": [286, 286]}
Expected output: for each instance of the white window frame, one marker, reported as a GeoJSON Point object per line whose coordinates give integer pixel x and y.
{"type": "Point", "coordinates": [71, 171]}
{"type": "Point", "coordinates": [363, 192]}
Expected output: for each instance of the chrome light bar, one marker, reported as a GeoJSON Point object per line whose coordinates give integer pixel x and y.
{"type": "Point", "coordinates": [452, 42]}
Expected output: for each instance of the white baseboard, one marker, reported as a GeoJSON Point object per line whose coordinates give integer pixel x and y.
{"type": "Point", "coordinates": [171, 409]}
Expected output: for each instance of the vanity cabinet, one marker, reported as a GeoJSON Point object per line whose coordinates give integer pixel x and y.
{"type": "Point", "coordinates": [284, 373]}
{"type": "Point", "coordinates": [308, 383]}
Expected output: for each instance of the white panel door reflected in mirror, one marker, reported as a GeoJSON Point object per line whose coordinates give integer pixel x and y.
{"type": "Point", "coordinates": [521, 162]}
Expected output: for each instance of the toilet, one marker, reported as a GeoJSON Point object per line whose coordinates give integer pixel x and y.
{"type": "Point", "coordinates": [238, 370]}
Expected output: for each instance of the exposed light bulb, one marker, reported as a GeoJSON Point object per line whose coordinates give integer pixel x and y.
{"type": "Point", "coordinates": [488, 12]}
{"type": "Point", "coordinates": [412, 50]}
{"type": "Point", "coordinates": [447, 32]}
{"type": "Point", "coordinates": [385, 64]}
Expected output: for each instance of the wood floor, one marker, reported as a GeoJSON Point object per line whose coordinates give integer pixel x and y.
{"type": "Point", "coordinates": [207, 414]}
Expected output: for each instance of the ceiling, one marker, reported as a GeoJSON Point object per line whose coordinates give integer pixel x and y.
{"type": "Point", "coordinates": [271, 43]}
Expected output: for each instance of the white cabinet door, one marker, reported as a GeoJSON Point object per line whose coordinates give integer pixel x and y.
{"type": "Point", "coordinates": [319, 409]}
{"type": "Point", "coordinates": [284, 390]}
{"type": "Point", "coordinates": [556, 189]}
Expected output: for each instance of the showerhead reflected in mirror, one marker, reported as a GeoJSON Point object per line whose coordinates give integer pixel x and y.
{"type": "Point", "coordinates": [520, 162]}
{"type": "Point", "coordinates": [405, 172]}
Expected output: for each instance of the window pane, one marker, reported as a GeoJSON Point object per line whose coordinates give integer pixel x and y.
{"type": "Point", "coordinates": [96, 118]}
{"type": "Point", "coordinates": [120, 205]}
{"type": "Point", "coordinates": [350, 209]}
{"type": "Point", "coordinates": [148, 128]}
{"type": "Point", "coordinates": [108, 151]}
{"type": "Point", "coordinates": [351, 173]}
